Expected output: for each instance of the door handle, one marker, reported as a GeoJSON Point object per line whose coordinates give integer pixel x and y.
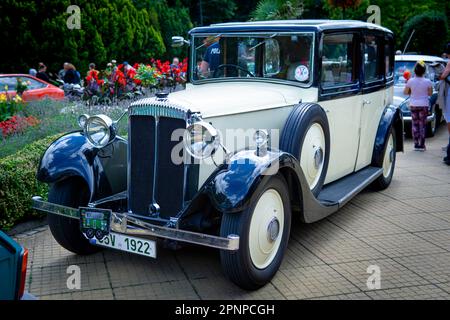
{"type": "Point", "coordinates": [366, 102]}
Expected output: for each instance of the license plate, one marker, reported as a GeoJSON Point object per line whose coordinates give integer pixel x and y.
{"type": "Point", "coordinates": [94, 222]}
{"type": "Point", "coordinates": [126, 243]}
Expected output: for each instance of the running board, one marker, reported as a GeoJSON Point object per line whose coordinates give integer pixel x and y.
{"type": "Point", "coordinates": [343, 190]}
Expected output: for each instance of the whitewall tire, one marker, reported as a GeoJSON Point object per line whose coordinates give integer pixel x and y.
{"type": "Point", "coordinates": [388, 164]}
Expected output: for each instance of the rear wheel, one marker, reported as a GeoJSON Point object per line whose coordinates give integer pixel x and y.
{"type": "Point", "coordinates": [264, 233]}
{"type": "Point", "coordinates": [388, 165]}
{"type": "Point", "coordinates": [66, 231]}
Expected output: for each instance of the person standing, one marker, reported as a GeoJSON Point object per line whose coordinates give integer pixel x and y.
{"type": "Point", "coordinates": [71, 76]}
{"type": "Point", "coordinates": [419, 89]}
{"type": "Point", "coordinates": [42, 73]}
{"type": "Point", "coordinates": [444, 100]}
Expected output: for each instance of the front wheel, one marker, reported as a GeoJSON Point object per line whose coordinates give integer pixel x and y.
{"type": "Point", "coordinates": [388, 165]}
{"type": "Point", "coordinates": [264, 233]}
{"type": "Point", "coordinates": [66, 231]}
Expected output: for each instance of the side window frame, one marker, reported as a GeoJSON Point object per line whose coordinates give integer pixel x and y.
{"type": "Point", "coordinates": [374, 85]}
{"type": "Point", "coordinates": [341, 90]}
{"type": "Point", "coordinates": [389, 41]}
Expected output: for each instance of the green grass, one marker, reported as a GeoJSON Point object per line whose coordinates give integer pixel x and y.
{"type": "Point", "coordinates": [55, 117]}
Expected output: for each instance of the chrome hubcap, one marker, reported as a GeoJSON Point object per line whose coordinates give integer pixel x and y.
{"type": "Point", "coordinates": [318, 157]}
{"type": "Point", "coordinates": [273, 229]}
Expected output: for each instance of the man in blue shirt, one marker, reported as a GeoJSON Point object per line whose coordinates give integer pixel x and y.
{"type": "Point", "coordinates": [211, 59]}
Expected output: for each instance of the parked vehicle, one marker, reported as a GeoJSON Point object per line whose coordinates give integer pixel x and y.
{"type": "Point", "coordinates": [406, 63]}
{"type": "Point", "coordinates": [37, 89]}
{"type": "Point", "coordinates": [13, 269]}
{"type": "Point", "coordinates": [280, 118]}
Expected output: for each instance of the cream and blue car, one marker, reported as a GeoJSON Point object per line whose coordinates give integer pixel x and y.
{"type": "Point", "coordinates": [279, 119]}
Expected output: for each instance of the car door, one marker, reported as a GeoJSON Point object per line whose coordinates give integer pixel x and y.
{"type": "Point", "coordinates": [340, 97]}
{"type": "Point", "coordinates": [375, 93]}
{"type": "Point", "coordinates": [36, 89]}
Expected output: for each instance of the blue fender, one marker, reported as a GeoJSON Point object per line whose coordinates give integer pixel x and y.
{"type": "Point", "coordinates": [391, 118]}
{"type": "Point", "coordinates": [231, 187]}
{"type": "Point", "coordinates": [104, 170]}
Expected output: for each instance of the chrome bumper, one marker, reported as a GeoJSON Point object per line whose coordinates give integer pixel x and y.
{"type": "Point", "coordinates": [408, 118]}
{"type": "Point", "coordinates": [120, 223]}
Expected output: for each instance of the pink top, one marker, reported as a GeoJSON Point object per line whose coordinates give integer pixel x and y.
{"type": "Point", "coordinates": [419, 91]}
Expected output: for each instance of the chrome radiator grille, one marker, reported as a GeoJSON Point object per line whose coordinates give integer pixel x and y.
{"type": "Point", "coordinates": [154, 180]}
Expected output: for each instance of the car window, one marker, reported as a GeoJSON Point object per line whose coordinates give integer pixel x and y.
{"type": "Point", "coordinates": [338, 60]}
{"type": "Point", "coordinates": [389, 58]}
{"type": "Point", "coordinates": [11, 82]}
{"type": "Point", "coordinates": [34, 84]}
{"type": "Point", "coordinates": [274, 56]}
{"type": "Point", "coordinates": [372, 61]}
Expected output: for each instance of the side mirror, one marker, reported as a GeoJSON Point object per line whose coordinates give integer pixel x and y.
{"type": "Point", "coordinates": [178, 41]}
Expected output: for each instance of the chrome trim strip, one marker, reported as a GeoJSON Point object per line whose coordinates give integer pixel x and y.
{"type": "Point", "coordinates": [120, 221]}
{"type": "Point", "coordinates": [155, 162]}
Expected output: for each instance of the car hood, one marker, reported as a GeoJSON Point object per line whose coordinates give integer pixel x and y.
{"type": "Point", "coordinates": [223, 98]}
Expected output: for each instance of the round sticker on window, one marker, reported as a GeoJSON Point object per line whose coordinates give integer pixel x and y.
{"type": "Point", "coordinates": [301, 73]}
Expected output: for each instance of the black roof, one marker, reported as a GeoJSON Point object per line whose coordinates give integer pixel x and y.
{"type": "Point", "coordinates": [289, 25]}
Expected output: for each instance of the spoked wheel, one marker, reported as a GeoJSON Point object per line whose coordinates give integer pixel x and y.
{"type": "Point", "coordinates": [264, 233]}
{"type": "Point", "coordinates": [388, 165]}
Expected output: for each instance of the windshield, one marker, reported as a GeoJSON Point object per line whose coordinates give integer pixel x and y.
{"type": "Point", "coordinates": [431, 73]}
{"type": "Point", "coordinates": [273, 56]}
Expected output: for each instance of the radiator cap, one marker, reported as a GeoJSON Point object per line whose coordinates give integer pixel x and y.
{"type": "Point", "coordinates": [162, 95]}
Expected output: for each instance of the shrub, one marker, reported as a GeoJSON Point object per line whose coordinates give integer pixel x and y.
{"type": "Point", "coordinates": [430, 35]}
{"type": "Point", "coordinates": [18, 183]}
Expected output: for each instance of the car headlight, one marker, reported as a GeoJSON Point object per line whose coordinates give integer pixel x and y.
{"type": "Point", "coordinates": [82, 120]}
{"type": "Point", "coordinates": [201, 140]}
{"type": "Point", "coordinates": [99, 130]}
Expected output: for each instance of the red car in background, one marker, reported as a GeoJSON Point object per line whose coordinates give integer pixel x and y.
{"type": "Point", "coordinates": [37, 89]}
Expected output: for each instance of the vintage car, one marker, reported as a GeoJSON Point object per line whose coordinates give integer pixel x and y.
{"type": "Point", "coordinates": [406, 63]}
{"type": "Point", "coordinates": [279, 119]}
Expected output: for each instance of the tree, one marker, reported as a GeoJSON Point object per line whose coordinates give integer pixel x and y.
{"type": "Point", "coordinates": [430, 32]}
{"type": "Point", "coordinates": [110, 29]}
{"type": "Point", "coordinates": [278, 10]}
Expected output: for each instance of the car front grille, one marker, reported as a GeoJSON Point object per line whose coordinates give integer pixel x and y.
{"type": "Point", "coordinates": [154, 180]}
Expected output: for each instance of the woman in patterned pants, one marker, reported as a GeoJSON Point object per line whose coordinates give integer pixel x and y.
{"type": "Point", "coordinates": [419, 89]}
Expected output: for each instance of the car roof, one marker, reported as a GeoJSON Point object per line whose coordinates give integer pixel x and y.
{"type": "Point", "coordinates": [417, 57]}
{"type": "Point", "coordinates": [290, 25]}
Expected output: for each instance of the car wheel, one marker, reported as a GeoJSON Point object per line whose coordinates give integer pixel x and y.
{"type": "Point", "coordinates": [264, 233]}
{"type": "Point", "coordinates": [388, 165]}
{"type": "Point", "coordinates": [306, 135]}
{"type": "Point", "coordinates": [66, 231]}
{"type": "Point", "coordinates": [431, 127]}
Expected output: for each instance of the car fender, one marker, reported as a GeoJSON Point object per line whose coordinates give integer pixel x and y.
{"type": "Point", "coordinates": [104, 170]}
{"type": "Point", "coordinates": [391, 118]}
{"type": "Point", "coordinates": [231, 186]}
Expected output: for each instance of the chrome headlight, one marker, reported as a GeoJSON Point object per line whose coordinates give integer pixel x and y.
{"type": "Point", "coordinates": [99, 130]}
{"type": "Point", "coordinates": [201, 140]}
{"type": "Point", "coordinates": [82, 120]}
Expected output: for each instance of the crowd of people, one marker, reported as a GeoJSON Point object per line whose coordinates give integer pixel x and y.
{"type": "Point", "coordinates": [115, 79]}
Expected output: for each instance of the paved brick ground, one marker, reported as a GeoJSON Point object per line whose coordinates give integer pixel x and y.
{"type": "Point", "coordinates": [405, 230]}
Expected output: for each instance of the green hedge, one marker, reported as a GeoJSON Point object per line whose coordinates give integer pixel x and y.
{"type": "Point", "coordinates": [18, 183]}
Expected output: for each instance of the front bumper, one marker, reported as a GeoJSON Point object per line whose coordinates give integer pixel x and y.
{"type": "Point", "coordinates": [125, 224]}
